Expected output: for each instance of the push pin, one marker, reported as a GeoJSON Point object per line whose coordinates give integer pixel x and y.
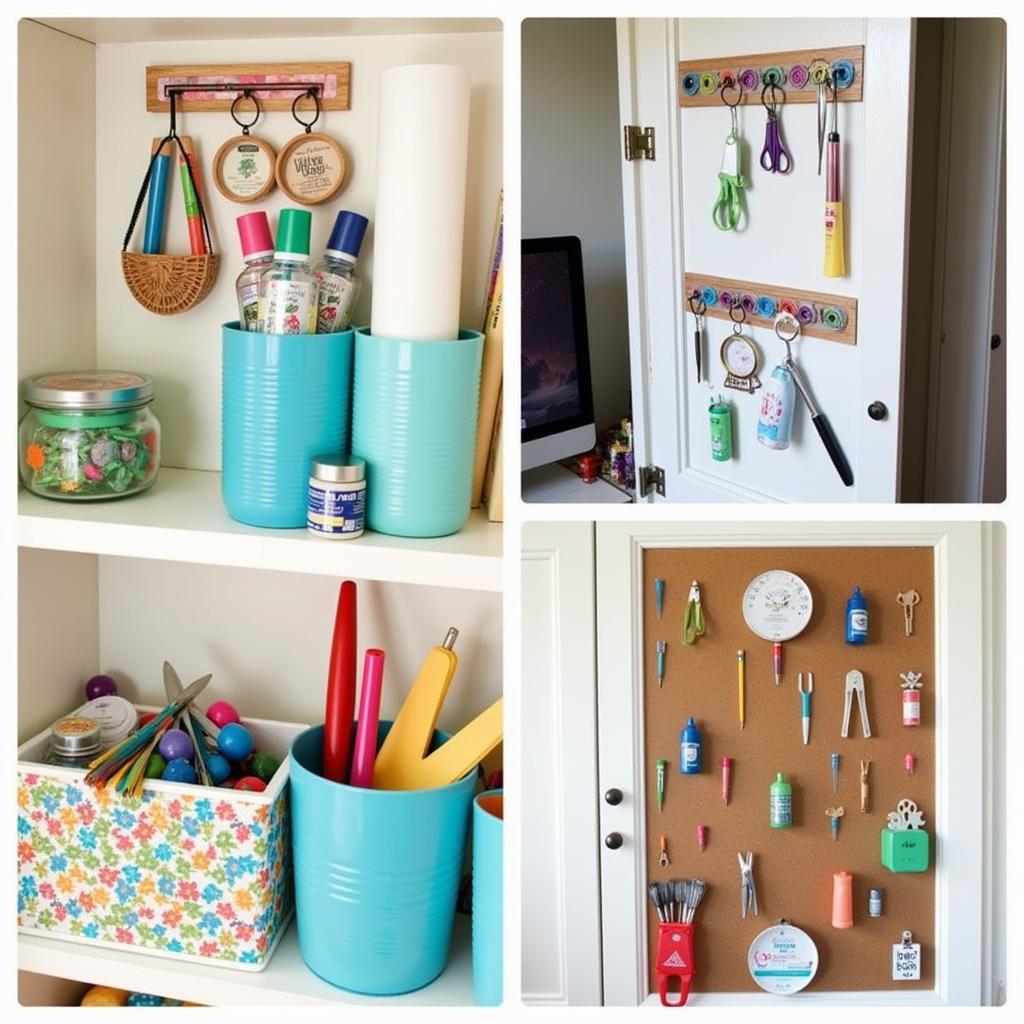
{"type": "Point", "coordinates": [702, 837]}
{"type": "Point", "coordinates": [663, 859]}
{"type": "Point", "coordinates": [661, 763]}
{"type": "Point", "coordinates": [909, 763]}
{"type": "Point", "coordinates": [834, 814]}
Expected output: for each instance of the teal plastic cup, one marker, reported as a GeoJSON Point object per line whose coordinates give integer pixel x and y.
{"type": "Point", "coordinates": [376, 874]}
{"type": "Point", "coordinates": [414, 419]}
{"type": "Point", "coordinates": [284, 399]}
{"type": "Point", "coordinates": [488, 962]}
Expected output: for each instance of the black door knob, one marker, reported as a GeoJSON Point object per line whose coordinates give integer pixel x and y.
{"type": "Point", "coordinates": [878, 410]}
{"type": "Point", "coordinates": [613, 797]}
{"type": "Point", "coordinates": [613, 840]}
{"type": "Point", "coordinates": [996, 341]}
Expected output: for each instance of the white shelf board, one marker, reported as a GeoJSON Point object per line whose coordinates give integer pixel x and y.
{"type": "Point", "coordinates": [182, 519]}
{"type": "Point", "coordinates": [285, 981]}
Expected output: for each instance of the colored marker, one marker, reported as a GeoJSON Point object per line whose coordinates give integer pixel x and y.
{"type": "Point", "coordinates": [365, 751]}
{"type": "Point", "coordinates": [835, 772]}
{"type": "Point", "coordinates": [741, 674]}
{"type": "Point", "coordinates": [726, 778]}
{"type": "Point", "coordinates": [659, 596]}
{"type": "Point", "coordinates": [777, 659]}
{"type": "Point", "coordinates": [661, 661]}
{"type": "Point", "coordinates": [662, 765]}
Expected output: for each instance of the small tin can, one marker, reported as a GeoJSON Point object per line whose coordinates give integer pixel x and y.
{"type": "Point", "coordinates": [875, 903]}
{"type": "Point", "coordinates": [775, 421]}
{"type": "Point", "coordinates": [74, 741]}
{"type": "Point", "coordinates": [911, 707]}
{"type": "Point", "coordinates": [337, 497]}
{"type": "Point", "coordinates": [116, 717]}
{"type": "Point", "coordinates": [720, 415]}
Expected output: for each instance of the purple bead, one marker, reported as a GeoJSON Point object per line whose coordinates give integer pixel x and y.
{"type": "Point", "coordinates": [175, 745]}
{"type": "Point", "coordinates": [100, 686]}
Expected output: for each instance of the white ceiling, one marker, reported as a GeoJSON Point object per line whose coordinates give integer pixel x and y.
{"type": "Point", "coordinates": [139, 30]}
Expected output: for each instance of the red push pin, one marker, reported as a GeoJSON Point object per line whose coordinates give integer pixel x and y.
{"type": "Point", "coordinates": [909, 763]}
{"type": "Point", "coordinates": [702, 837]}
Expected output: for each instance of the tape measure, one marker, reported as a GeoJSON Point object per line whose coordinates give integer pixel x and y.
{"type": "Point", "coordinates": [783, 959]}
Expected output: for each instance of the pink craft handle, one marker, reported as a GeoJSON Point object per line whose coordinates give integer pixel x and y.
{"type": "Point", "coordinates": [365, 751]}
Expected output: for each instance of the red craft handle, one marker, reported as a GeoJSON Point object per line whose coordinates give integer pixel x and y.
{"type": "Point", "coordinates": [341, 687]}
{"type": "Point", "coordinates": [675, 960]}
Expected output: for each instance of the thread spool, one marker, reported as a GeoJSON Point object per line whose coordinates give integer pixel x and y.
{"type": "Point", "coordinates": [709, 83]}
{"type": "Point", "coordinates": [765, 306]}
{"type": "Point", "coordinates": [748, 79]}
{"type": "Point", "coordinates": [842, 900]}
{"type": "Point", "coordinates": [709, 295]}
{"type": "Point", "coordinates": [727, 299]}
{"type": "Point", "coordinates": [806, 314]}
{"type": "Point", "coordinates": [691, 83]}
{"type": "Point", "coordinates": [799, 76]}
{"type": "Point", "coordinates": [819, 70]}
{"type": "Point", "coordinates": [787, 306]}
{"type": "Point", "coordinates": [843, 74]}
{"type": "Point", "coordinates": [749, 303]}
{"type": "Point", "coordinates": [773, 75]}
{"type": "Point", "coordinates": [833, 318]}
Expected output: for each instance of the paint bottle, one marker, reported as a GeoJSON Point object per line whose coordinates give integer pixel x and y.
{"type": "Point", "coordinates": [720, 414]}
{"type": "Point", "coordinates": [874, 903]}
{"type": "Point", "coordinates": [857, 618]}
{"type": "Point", "coordinates": [258, 253]}
{"type": "Point", "coordinates": [336, 273]}
{"type": "Point", "coordinates": [690, 744]}
{"type": "Point", "coordinates": [775, 421]}
{"type": "Point", "coordinates": [842, 900]}
{"type": "Point", "coordinates": [780, 803]}
{"type": "Point", "coordinates": [288, 289]}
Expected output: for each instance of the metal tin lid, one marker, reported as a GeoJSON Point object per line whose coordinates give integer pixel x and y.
{"type": "Point", "coordinates": [338, 469]}
{"type": "Point", "coordinates": [75, 736]}
{"type": "Point", "coordinates": [116, 717]}
{"type": "Point", "coordinates": [89, 389]}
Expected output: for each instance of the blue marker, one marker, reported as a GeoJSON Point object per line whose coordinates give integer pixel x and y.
{"type": "Point", "coordinates": [659, 596]}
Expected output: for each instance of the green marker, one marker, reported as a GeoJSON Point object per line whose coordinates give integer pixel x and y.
{"type": "Point", "coordinates": [662, 765]}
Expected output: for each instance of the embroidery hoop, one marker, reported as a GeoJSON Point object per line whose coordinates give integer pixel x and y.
{"type": "Point", "coordinates": [339, 172]}
{"type": "Point", "coordinates": [245, 139]}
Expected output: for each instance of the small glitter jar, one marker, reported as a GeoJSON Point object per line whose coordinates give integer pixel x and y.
{"type": "Point", "coordinates": [337, 497]}
{"type": "Point", "coordinates": [74, 742]}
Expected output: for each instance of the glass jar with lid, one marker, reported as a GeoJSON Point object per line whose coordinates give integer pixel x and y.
{"type": "Point", "coordinates": [74, 742]}
{"type": "Point", "coordinates": [88, 435]}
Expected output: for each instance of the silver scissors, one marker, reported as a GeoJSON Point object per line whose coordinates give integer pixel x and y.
{"type": "Point", "coordinates": [748, 891]}
{"type": "Point", "coordinates": [192, 719]}
{"type": "Point", "coordinates": [855, 685]}
{"type": "Point", "coordinates": [774, 156]}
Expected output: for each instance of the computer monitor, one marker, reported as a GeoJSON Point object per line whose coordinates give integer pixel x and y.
{"type": "Point", "coordinates": [557, 419]}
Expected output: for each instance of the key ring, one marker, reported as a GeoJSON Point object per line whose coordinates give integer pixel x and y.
{"type": "Point", "coordinates": [245, 125]}
{"type": "Point", "coordinates": [315, 94]}
{"type": "Point", "coordinates": [782, 318]}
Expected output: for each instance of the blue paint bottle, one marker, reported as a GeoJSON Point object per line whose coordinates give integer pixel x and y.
{"type": "Point", "coordinates": [690, 745]}
{"type": "Point", "coordinates": [857, 618]}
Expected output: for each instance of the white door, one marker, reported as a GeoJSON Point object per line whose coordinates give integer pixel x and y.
{"type": "Point", "coordinates": [669, 230]}
{"type": "Point", "coordinates": [964, 688]}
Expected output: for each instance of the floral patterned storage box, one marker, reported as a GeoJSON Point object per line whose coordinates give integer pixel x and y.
{"type": "Point", "coordinates": [188, 872]}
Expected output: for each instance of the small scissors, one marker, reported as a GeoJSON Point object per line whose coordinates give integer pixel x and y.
{"type": "Point", "coordinates": [774, 157]}
{"type": "Point", "coordinates": [728, 208]}
{"type": "Point", "coordinates": [748, 892]}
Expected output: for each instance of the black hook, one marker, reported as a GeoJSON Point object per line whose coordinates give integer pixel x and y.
{"type": "Point", "coordinates": [772, 107]}
{"type": "Point", "coordinates": [736, 304]}
{"type": "Point", "coordinates": [312, 91]}
{"type": "Point", "coordinates": [730, 83]}
{"type": "Point", "coordinates": [703, 304]}
{"type": "Point", "coordinates": [245, 94]}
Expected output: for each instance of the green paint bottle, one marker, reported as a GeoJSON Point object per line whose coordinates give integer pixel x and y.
{"type": "Point", "coordinates": [720, 414]}
{"type": "Point", "coordinates": [781, 803]}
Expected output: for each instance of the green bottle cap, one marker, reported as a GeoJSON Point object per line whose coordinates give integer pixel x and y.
{"type": "Point", "coordinates": [293, 228]}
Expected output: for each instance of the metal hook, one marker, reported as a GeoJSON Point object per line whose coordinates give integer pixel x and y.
{"type": "Point", "coordinates": [737, 324]}
{"type": "Point", "coordinates": [730, 83]}
{"type": "Point", "coordinates": [703, 305]}
{"type": "Point", "coordinates": [787, 340]}
{"type": "Point", "coordinates": [773, 106]}
{"type": "Point", "coordinates": [245, 94]}
{"type": "Point", "coordinates": [314, 93]}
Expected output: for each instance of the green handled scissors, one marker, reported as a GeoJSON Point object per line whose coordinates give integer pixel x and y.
{"type": "Point", "coordinates": [728, 208]}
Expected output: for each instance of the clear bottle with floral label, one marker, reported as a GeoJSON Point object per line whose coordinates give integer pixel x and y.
{"type": "Point", "coordinates": [288, 288]}
{"type": "Point", "coordinates": [336, 273]}
{"type": "Point", "coordinates": [258, 253]}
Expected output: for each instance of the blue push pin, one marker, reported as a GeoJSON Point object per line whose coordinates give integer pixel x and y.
{"type": "Point", "coordinates": [834, 814]}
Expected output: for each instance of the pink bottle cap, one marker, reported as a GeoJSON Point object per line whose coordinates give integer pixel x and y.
{"type": "Point", "coordinates": [254, 232]}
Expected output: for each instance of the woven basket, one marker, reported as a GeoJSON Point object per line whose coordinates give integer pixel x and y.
{"type": "Point", "coordinates": [169, 284]}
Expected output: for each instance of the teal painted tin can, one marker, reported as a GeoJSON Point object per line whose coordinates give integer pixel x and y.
{"type": "Point", "coordinates": [284, 399]}
{"type": "Point", "coordinates": [488, 834]}
{"type": "Point", "coordinates": [376, 873]}
{"type": "Point", "coordinates": [414, 422]}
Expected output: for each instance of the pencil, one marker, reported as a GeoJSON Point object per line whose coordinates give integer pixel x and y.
{"type": "Point", "coordinates": [740, 672]}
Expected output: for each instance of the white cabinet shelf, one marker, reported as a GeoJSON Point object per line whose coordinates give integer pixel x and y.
{"type": "Point", "coordinates": [182, 519]}
{"type": "Point", "coordinates": [286, 980]}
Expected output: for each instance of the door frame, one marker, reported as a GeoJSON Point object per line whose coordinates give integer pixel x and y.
{"type": "Point", "coordinates": [967, 560]}
{"type": "Point", "coordinates": [648, 49]}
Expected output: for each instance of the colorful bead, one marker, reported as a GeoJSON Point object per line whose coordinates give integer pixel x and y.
{"type": "Point", "coordinates": [765, 306]}
{"type": "Point", "coordinates": [798, 76]}
{"type": "Point", "coordinates": [179, 770]}
{"type": "Point", "coordinates": [175, 745]}
{"type": "Point", "coordinates": [691, 83]}
{"type": "Point", "coordinates": [100, 686]}
{"type": "Point", "coordinates": [263, 766]}
{"type": "Point", "coordinates": [155, 767]}
{"type": "Point", "coordinates": [219, 768]}
{"type": "Point", "coordinates": [235, 742]}
{"type": "Point", "coordinates": [251, 784]}
{"type": "Point", "coordinates": [221, 713]}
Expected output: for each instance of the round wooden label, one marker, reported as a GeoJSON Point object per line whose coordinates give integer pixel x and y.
{"type": "Point", "coordinates": [243, 169]}
{"type": "Point", "coordinates": [311, 168]}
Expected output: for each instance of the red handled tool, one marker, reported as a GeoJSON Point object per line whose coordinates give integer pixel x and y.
{"type": "Point", "coordinates": [341, 687]}
{"type": "Point", "coordinates": [676, 901]}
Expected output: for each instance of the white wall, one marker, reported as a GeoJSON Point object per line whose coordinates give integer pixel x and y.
{"type": "Point", "coordinates": [266, 636]}
{"type": "Point", "coordinates": [183, 352]}
{"type": "Point", "coordinates": [56, 201]}
{"type": "Point", "coordinates": [572, 184]}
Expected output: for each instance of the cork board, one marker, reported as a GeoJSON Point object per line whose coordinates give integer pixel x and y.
{"type": "Point", "coordinates": [792, 868]}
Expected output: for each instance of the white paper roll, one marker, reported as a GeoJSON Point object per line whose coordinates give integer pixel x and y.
{"type": "Point", "coordinates": [423, 137]}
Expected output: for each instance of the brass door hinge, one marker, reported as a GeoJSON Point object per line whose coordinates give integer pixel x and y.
{"type": "Point", "coordinates": [652, 478]}
{"type": "Point", "coordinates": [639, 142]}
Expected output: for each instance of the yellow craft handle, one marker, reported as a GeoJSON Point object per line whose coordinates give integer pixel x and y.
{"type": "Point", "coordinates": [835, 264]}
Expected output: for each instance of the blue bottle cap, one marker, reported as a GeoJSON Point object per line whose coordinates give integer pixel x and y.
{"type": "Point", "coordinates": [347, 236]}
